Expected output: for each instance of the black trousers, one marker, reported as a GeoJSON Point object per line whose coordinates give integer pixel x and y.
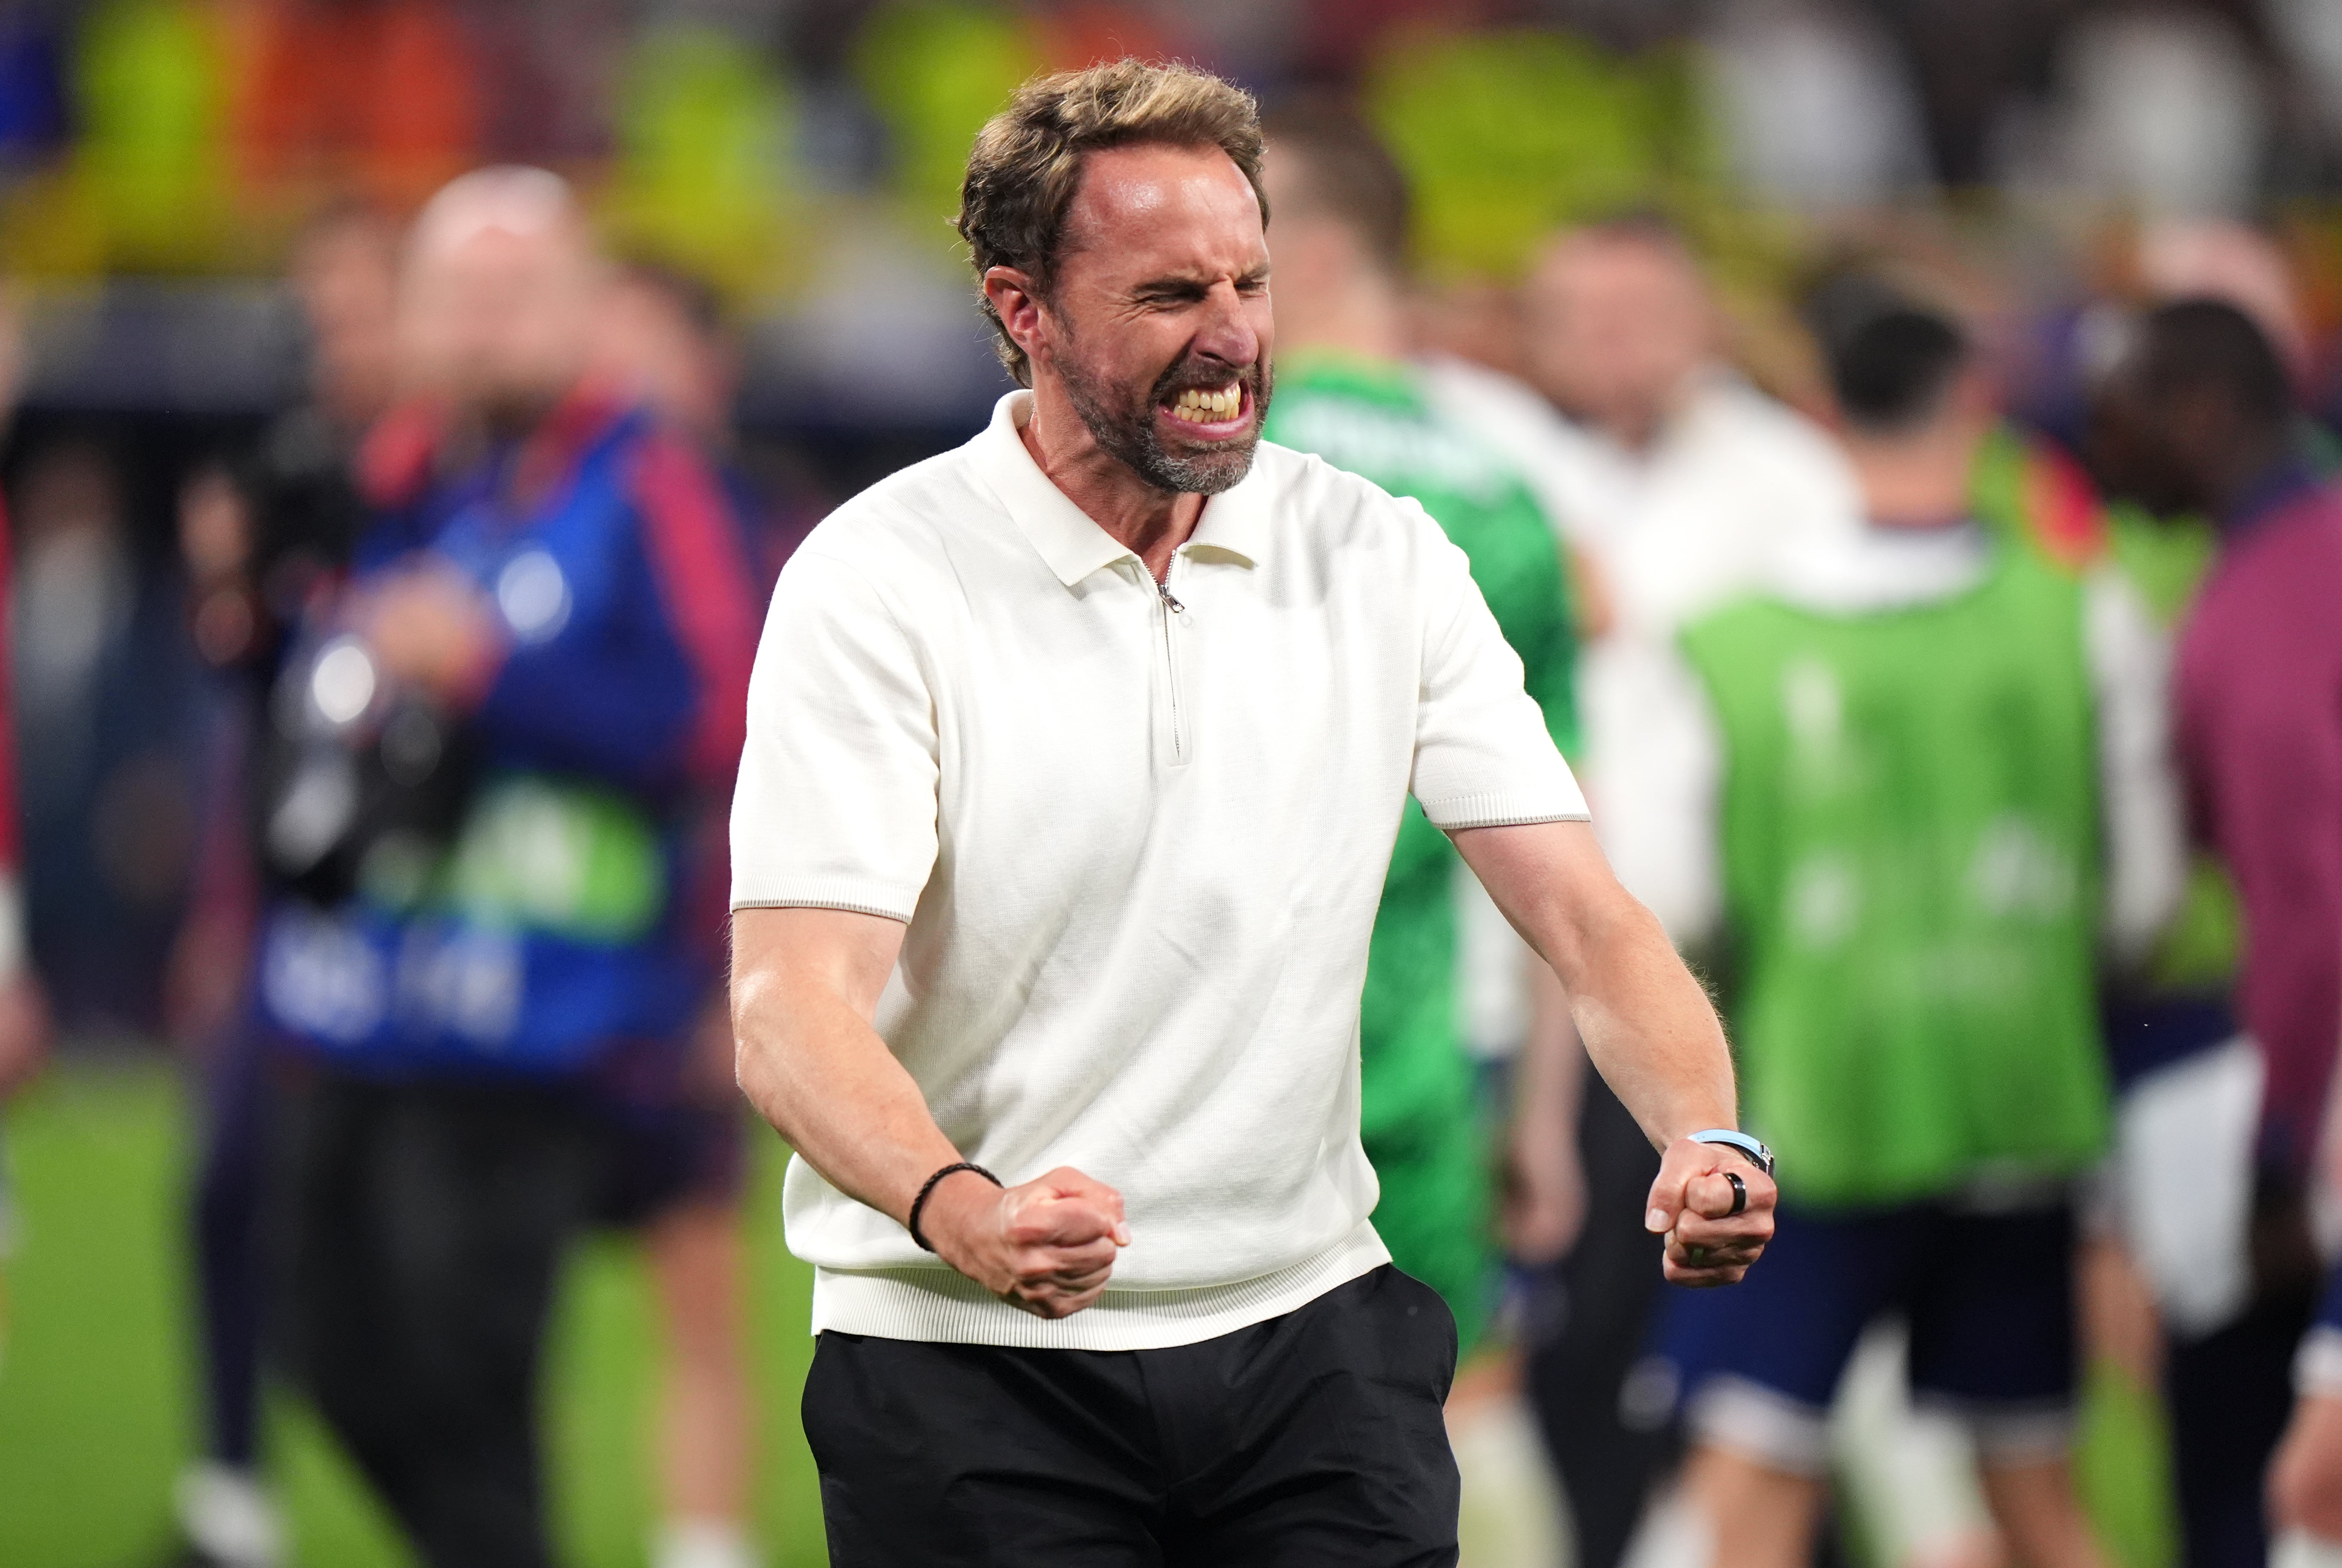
{"type": "Point", "coordinates": [426, 1225]}
{"type": "Point", "coordinates": [2230, 1394]}
{"type": "Point", "coordinates": [1314, 1439]}
{"type": "Point", "coordinates": [229, 1233]}
{"type": "Point", "coordinates": [1606, 1449]}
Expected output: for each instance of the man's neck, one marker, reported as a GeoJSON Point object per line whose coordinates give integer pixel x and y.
{"type": "Point", "coordinates": [1151, 524]}
{"type": "Point", "coordinates": [1919, 480]}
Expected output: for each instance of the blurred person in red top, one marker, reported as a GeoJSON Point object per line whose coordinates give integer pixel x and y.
{"type": "Point", "coordinates": [2199, 416]}
{"type": "Point", "coordinates": [24, 1014]}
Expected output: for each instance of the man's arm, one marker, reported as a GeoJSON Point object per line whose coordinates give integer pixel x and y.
{"type": "Point", "coordinates": [806, 984]}
{"type": "Point", "coordinates": [1647, 1027]}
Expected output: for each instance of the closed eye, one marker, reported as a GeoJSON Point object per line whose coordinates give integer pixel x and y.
{"type": "Point", "coordinates": [1172, 292]}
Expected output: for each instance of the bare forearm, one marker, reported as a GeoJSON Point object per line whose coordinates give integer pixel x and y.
{"type": "Point", "coordinates": [1647, 1027]}
{"type": "Point", "coordinates": [1650, 1030]}
{"type": "Point", "coordinates": [829, 1084]}
{"type": "Point", "coordinates": [804, 983]}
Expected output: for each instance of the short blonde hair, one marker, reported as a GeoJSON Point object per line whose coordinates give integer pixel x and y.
{"type": "Point", "coordinates": [1027, 165]}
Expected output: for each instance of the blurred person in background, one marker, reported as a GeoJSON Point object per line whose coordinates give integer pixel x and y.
{"type": "Point", "coordinates": [1908, 797]}
{"type": "Point", "coordinates": [24, 1011]}
{"type": "Point", "coordinates": [1679, 485]}
{"type": "Point", "coordinates": [2168, 1290]}
{"type": "Point", "coordinates": [660, 335]}
{"type": "Point", "coordinates": [2199, 416]}
{"type": "Point", "coordinates": [660, 339]}
{"type": "Point", "coordinates": [666, 336]}
{"type": "Point", "coordinates": [489, 755]}
{"type": "Point", "coordinates": [264, 539]}
{"type": "Point", "coordinates": [1347, 392]}
{"type": "Point", "coordinates": [1697, 483]}
{"type": "Point", "coordinates": [102, 690]}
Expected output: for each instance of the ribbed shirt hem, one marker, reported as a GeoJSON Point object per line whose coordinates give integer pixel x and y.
{"type": "Point", "coordinates": [861, 896]}
{"type": "Point", "coordinates": [939, 1306]}
{"type": "Point", "coordinates": [1500, 811]}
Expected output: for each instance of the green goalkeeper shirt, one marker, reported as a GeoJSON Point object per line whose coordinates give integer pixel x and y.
{"type": "Point", "coordinates": [1372, 419]}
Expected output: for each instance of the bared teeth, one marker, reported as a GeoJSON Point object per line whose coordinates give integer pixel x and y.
{"type": "Point", "coordinates": [1209, 407]}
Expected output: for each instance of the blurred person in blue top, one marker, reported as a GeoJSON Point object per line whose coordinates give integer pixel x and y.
{"type": "Point", "coordinates": [484, 763]}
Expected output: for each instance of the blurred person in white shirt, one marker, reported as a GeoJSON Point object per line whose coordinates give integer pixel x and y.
{"type": "Point", "coordinates": [1679, 480]}
{"type": "Point", "coordinates": [1678, 485]}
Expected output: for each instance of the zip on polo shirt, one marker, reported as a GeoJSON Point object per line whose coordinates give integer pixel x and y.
{"type": "Point", "coordinates": [1172, 616]}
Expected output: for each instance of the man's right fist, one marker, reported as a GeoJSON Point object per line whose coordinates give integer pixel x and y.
{"type": "Point", "coordinates": [1047, 1246]}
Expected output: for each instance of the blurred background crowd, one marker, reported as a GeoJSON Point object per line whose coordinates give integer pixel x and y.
{"type": "Point", "coordinates": [204, 211]}
{"type": "Point", "coordinates": [157, 162]}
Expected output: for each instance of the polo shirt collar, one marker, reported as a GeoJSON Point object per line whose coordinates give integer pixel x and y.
{"type": "Point", "coordinates": [1066, 536]}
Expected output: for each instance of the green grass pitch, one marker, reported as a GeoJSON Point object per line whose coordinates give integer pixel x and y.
{"type": "Point", "coordinates": [98, 1385]}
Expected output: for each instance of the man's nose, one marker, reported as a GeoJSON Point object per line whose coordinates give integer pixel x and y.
{"type": "Point", "coordinates": [1227, 332]}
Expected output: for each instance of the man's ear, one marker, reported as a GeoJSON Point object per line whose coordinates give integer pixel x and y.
{"type": "Point", "coordinates": [1017, 299]}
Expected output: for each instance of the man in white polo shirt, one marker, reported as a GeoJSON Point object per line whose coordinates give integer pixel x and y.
{"type": "Point", "coordinates": [1076, 756]}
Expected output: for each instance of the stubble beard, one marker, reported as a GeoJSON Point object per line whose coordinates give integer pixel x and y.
{"type": "Point", "coordinates": [1126, 430]}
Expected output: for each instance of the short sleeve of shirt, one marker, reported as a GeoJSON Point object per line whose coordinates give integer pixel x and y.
{"type": "Point", "coordinates": [835, 806]}
{"type": "Point", "coordinates": [1483, 755]}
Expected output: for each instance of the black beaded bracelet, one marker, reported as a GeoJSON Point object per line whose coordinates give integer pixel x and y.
{"type": "Point", "coordinates": [928, 1191]}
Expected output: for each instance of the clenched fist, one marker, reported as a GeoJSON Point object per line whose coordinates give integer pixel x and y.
{"type": "Point", "coordinates": [1046, 1246]}
{"type": "Point", "coordinates": [1691, 1206]}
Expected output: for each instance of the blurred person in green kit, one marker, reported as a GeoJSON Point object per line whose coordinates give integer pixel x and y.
{"type": "Point", "coordinates": [1913, 797]}
{"type": "Point", "coordinates": [1347, 392]}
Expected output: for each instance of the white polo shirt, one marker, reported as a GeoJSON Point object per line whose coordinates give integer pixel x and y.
{"type": "Point", "coordinates": [1139, 842]}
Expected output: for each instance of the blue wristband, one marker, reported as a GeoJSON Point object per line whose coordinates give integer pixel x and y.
{"type": "Point", "coordinates": [1761, 1156]}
